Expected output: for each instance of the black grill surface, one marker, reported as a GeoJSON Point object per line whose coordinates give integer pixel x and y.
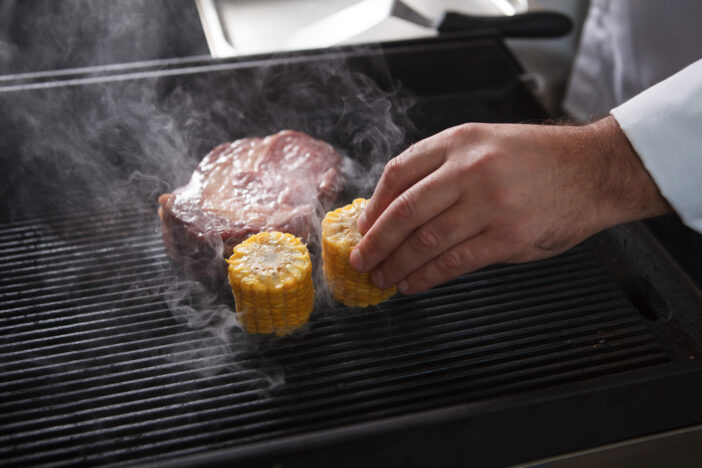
{"type": "Point", "coordinates": [96, 368]}
{"type": "Point", "coordinates": [109, 357]}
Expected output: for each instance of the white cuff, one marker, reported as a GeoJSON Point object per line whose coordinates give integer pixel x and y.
{"type": "Point", "coordinates": [664, 125]}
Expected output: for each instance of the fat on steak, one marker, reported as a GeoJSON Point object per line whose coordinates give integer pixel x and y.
{"type": "Point", "coordinates": [244, 187]}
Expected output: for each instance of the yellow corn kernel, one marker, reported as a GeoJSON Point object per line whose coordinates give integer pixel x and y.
{"type": "Point", "coordinates": [339, 236]}
{"type": "Point", "coordinates": [271, 278]}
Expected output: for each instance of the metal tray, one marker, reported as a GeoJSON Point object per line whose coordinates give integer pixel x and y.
{"type": "Point", "coordinates": [241, 27]}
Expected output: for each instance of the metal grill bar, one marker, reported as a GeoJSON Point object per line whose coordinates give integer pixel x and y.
{"type": "Point", "coordinates": [225, 388]}
{"type": "Point", "coordinates": [504, 359]}
{"type": "Point", "coordinates": [47, 311]}
{"type": "Point", "coordinates": [168, 440]}
{"type": "Point", "coordinates": [79, 237]}
{"type": "Point", "coordinates": [97, 369]}
{"type": "Point", "coordinates": [34, 348]}
{"type": "Point", "coordinates": [86, 218]}
{"type": "Point", "coordinates": [76, 270]}
{"type": "Point", "coordinates": [38, 257]}
{"type": "Point", "coordinates": [427, 337]}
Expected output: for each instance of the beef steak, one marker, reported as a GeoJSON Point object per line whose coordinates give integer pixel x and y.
{"type": "Point", "coordinates": [277, 183]}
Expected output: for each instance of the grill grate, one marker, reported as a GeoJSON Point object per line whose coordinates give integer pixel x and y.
{"type": "Point", "coordinates": [95, 368]}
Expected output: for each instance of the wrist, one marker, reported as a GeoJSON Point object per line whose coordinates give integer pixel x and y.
{"type": "Point", "coordinates": [624, 190]}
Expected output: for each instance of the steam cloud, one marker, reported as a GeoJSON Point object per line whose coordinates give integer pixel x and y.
{"type": "Point", "coordinates": [102, 146]}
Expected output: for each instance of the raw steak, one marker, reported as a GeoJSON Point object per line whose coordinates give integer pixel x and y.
{"type": "Point", "coordinates": [276, 183]}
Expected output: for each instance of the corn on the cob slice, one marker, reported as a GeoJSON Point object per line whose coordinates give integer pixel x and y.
{"type": "Point", "coordinates": [271, 277]}
{"type": "Point", "coordinates": [339, 236]}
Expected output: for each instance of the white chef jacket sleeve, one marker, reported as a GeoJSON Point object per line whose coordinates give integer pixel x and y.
{"type": "Point", "coordinates": [664, 125]}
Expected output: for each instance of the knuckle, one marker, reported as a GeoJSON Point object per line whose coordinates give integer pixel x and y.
{"type": "Point", "coordinates": [405, 207]}
{"type": "Point", "coordinates": [463, 130]}
{"type": "Point", "coordinates": [414, 147]}
{"type": "Point", "coordinates": [451, 134]}
{"type": "Point", "coordinates": [463, 170]}
{"type": "Point", "coordinates": [392, 171]}
{"type": "Point", "coordinates": [471, 127]}
{"type": "Point", "coordinates": [450, 140]}
{"type": "Point", "coordinates": [487, 162]}
{"type": "Point", "coordinates": [450, 262]}
{"type": "Point", "coordinates": [424, 240]}
{"type": "Point", "coordinates": [481, 165]}
{"type": "Point", "coordinates": [370, 246]}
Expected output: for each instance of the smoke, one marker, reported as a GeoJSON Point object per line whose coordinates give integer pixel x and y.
{"type": "Point", "coordinates": [39, 35]}
{"type": "Point", "coordinates": [101, 146]}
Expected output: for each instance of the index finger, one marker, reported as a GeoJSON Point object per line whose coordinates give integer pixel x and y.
{"type": "Point", "coordinates": [400, 173]}
{"type": "Point", "coordinates": [411, 209]}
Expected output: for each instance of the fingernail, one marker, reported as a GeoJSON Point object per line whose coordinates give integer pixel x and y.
{"type": "Point", "coordinates": [402, 286]}
{"type": "Point", "coordinates": [356, 260]}
{"type": "Point", "coordinates": [378, 281]}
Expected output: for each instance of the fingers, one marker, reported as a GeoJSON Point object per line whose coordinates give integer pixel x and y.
{"type": "Point", "coordinates": [412, 208]}
{"type": "Point", "coordinates": [400, 173]}
{"type": "Point", "coordinates": [427, 242]}
{"type": "Point", "coordinates": [465, 257]}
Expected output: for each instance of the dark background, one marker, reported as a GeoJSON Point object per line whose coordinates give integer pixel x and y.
{"type": "Point", "coordinates": [42, 35]}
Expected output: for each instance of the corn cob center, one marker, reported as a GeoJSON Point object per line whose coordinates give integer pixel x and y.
{"type": "Point", "coordinates": [271, 278]}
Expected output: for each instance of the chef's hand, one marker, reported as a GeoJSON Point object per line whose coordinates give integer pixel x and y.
{"type": "Point", "coordinates": [479, 194]}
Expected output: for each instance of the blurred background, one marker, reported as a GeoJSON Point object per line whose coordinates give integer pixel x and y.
{"type": "Point", "coordinates": [44, 35]}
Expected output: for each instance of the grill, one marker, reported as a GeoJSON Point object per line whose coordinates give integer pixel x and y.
{"type": "Point", "coordinates": [541, 358]}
